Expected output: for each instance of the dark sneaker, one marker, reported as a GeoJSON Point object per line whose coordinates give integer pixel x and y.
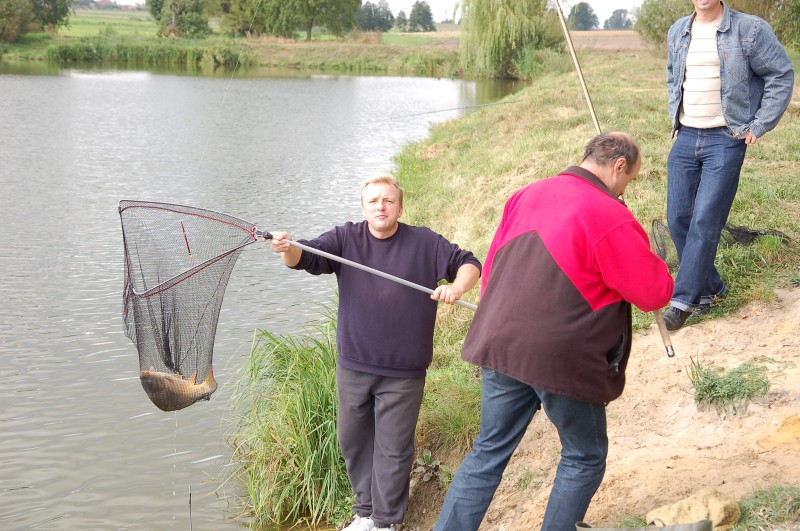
{"type": "Point", "coordinates": [701, 310]}
{"type": "Point", "coordinates": [675, 317]}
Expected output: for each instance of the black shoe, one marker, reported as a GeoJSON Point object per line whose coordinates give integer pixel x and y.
{"type": "Point", "coordinates": [675, 317]}
{"type": "Point", "coordinates": [701, 310]}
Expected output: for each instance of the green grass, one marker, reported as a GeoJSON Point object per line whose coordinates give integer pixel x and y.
{"type": "Point", "coordinates": [94, 22]}
{"type": "Point", "coordinates": [767, 508]}
{"type": "Point", "coordinates": [731, 391]}
{"type": "Point", "coordinates": [457, 182]}
{"type": "Point", "coordinates": [770, 508]}
{"type": "Point", "coordinates": [285, 448]}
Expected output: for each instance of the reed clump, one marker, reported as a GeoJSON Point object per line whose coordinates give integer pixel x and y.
{"type": "Point", "coordinates": [157, 53]}
{"type": "Point", "coordinates": [285, 447]}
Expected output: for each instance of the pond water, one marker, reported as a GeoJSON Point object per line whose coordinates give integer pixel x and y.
{"type": "Point", "coordinates": [81, 446]}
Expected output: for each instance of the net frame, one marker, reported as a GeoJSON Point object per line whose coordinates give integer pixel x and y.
{"type": "Point", "coordinates": [178, 260]}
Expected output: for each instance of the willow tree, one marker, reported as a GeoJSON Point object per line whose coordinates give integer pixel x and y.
{"type": "Point", "coordinates": [496, 32]}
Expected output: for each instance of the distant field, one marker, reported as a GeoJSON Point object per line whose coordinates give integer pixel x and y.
{"type": "Point", "coordinates": [608, 40]}
{"type": "Point", "coordinates": [92, 22]}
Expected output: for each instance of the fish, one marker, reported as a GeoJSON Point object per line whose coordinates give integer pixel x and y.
{"type": "Point", "coordinates": [171, 391]}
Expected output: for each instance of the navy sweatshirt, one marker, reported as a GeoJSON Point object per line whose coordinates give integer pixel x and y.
{"type": "Point", "coordinates": [384, 327]}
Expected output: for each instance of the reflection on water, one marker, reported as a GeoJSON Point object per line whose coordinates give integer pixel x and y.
{"type": "Point", "coordinates": [81, 446]}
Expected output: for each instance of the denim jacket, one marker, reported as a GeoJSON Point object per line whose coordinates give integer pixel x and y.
{"type": "Point", "coordinates": [756, 73]}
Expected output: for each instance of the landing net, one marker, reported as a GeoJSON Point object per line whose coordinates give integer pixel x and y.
{"type": "Point", "coordinates": [178, 260]}
{"type": "Point", "coordinates": [663, 246]}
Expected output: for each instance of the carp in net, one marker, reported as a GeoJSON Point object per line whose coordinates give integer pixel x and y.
{"type": "Point", "coordinates": [178, 260]}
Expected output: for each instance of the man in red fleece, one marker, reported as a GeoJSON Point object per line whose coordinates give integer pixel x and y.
{"type": "Point", "coordinates": [554, 327]}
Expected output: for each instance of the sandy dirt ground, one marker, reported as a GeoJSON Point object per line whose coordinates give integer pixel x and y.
{"type": "Point", "coordinates": [663, 447]}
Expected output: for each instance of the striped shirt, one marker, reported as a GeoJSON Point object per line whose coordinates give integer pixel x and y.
{"type": "Point", "coordinates": [702, 102]}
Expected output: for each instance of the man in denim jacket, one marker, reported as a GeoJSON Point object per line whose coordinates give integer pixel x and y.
{"type": "Point", "coordinates": [729, 81]}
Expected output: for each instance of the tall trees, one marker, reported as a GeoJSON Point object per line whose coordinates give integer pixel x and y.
{"type": "Point", "coordinates": [52, 13]}
{"type": "Point", "coordinates": [783, 15]}
{"type": "Point", "coordinates": [337, 16]}
{"type": "Point", "coordinates": [283, 17]}
{"type": "Point", "coordinates": [371, 17]}
{"type": "Point", "coordinates": [421, 18]}
{"type": "Point", "coordinates": [15, 16]}
{"type": "Point", "coordinates": [582, 17]}
{"type": "Point", "coordinates": [619, 19]}
{"type": "Point", "coordinates": [401, 21]}
{"type": "Point", "coordinates": [654, 18]}
{"type": "Point", "coordinates": [495, 35]}
{"type": "Point", "coordinates": [183, 18]}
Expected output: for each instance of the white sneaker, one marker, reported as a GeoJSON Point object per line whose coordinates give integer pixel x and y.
{"type": "Point", "coordinates": [360, 523]}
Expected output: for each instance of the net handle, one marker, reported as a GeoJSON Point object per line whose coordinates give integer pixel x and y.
{"type": "Point", "coordinates": [662, 326]}
{"type": "Point", "coordinates": [362, 267]}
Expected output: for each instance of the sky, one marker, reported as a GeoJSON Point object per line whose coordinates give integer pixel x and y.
{"type": "Point", "coordinates": [443, 9]}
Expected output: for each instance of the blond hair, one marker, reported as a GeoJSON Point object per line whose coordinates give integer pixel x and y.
{"type": "Point", "coordinates": [382, 179]}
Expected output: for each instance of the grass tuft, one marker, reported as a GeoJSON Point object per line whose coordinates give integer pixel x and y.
{"type": "Point", "coordinates": [285, 449]}
{"type": "Point", "coordinates": [770, 508]}
{"type": "Point", "coordinates": [729, 392]}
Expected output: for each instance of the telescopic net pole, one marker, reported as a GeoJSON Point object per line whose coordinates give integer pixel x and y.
{"type": "Point", "coordinates": [662, 327]}
{"type": "Point", "coordinates": [362, 267]}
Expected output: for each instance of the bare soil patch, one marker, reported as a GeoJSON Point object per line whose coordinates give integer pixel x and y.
{"type": "Point", "coordinates": [664, 448]}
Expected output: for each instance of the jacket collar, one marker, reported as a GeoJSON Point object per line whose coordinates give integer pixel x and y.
{"type": "Point", "coordinates": [724, 24]}
{"type": "Point", "coordinates": [592, 179]}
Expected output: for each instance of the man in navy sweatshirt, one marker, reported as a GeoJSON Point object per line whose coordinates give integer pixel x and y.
{"type": "Point", "coordinates": [384, 339]}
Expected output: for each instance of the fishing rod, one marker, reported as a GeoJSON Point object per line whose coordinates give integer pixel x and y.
{"type": "Point", "coordinates": [458, 108]}
{"type": "Point", "coordinates": [662, 327]}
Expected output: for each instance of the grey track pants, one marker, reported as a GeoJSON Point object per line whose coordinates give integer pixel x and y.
{"type": "Point", "coordinates": [377, 419]}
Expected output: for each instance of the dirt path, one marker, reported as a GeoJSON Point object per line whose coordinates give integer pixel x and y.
{"type": "Point", "coordinates": [662, 447]}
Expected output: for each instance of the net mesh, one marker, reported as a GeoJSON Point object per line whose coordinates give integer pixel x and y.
{"type": "Point", "coordinates": [178, 260]}
{"type": "Point", "coordinates": [745, 236]}
{"type": "Point", "coordinates": [662, 244]}
{"type": "Point", "coordinates": [664, 247]}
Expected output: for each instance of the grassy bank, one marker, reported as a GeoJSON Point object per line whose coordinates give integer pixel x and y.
{"type": "Point", "coordinates": [458, 180]}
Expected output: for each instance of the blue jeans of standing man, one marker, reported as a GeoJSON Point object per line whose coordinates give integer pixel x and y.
{"type": "Point", "coordinates": [507, 408]}
{"type": "Point", "coordinates": [702, 177]}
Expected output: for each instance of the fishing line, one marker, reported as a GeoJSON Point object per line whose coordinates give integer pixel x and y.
{"type": "Point", "coordinates": [230, 81]}
{"type": "Point", "coordinates": [454, 109]}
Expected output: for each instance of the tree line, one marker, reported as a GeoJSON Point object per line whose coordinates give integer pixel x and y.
{"type": "Point", "coordinates": [190, 18]}
{"type": "Point", "coordinates": [507, 39]}
{"type": "Point", "coordinates": [654, 17]}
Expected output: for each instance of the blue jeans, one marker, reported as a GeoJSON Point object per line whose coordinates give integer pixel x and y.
{"type": "Point", "coordinates": [507, 408]}
{"type": "Point", "coordinates": [702, 177]}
